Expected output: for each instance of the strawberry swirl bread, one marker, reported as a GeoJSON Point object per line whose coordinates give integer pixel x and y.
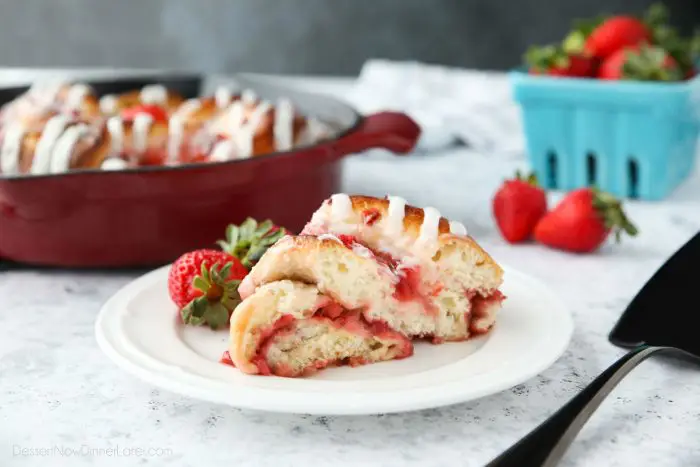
{"type": "Point", "coordinates": [364, 278]}
{"type": "Point", "coordinates": [55, 127]}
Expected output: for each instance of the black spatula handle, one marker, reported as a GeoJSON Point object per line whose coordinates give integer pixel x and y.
{"type": "Point", "coordinates": [546, 444]}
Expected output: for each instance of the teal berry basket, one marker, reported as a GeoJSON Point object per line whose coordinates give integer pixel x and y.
{"type": "Point", "coordinates": [631, 139]}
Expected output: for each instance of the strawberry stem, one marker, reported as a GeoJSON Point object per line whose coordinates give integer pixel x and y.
{"type": "Point", "coordinates": [531, 178]}
{"type": "Point", "coordinates": [249, 241]}
{"type": "Point", "coordinates": [574, 43]}
{"type": "Point", "coordinates": [219, 297]}
{"type": "Point", "coordinates": [683, 50]}
{"type": "Point", "coordinates": [544, 58]}
{"type": "Point", "coordinates": [614, 217]}
{"type": "Point", "coordinates": [651, 63]}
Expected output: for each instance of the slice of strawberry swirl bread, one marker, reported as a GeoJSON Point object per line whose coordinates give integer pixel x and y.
{"type": "Point", "coordinates": [393, 268]}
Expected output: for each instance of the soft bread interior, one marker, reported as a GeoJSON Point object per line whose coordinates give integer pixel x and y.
{"type": "Point", "coordinates": [261, 310]}
{"type": "Point", "coordinates": [451, 256]}
{"type": "Point", "coordinates": [309, 345]}
{"type": "Point", "coordinates": [277, 330]}
{"type": "Point", "coordinates": [355, 278]}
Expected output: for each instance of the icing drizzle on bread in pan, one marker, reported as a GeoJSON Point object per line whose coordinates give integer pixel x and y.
{"type": "Point", "coordinates": [55, 127]}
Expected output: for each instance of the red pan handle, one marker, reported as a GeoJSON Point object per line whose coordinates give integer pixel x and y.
{"type": "Point", "coordinates": [394, 131]}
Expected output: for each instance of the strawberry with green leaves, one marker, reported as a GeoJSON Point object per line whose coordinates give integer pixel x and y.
{"type": "Point", "coordinates": [641, 63]}
{"type": "Point", "coordinates": [582, 221]}
{"type": "Point", "coordinates": [605, 37]}
{"type": "Point", "coordinates": [204, 286]}
{"type": "Point", "coordinates": [614, 34]}
{"type": "Point", "coordinates": [553, 60]}
{"type": "Point", "coordinates": [204, 283]}
{"type": "Point", "coordinates": [602, 36]}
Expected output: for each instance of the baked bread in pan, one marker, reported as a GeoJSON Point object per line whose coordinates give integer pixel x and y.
{"type": "Point", "coordinates": [145, 127]}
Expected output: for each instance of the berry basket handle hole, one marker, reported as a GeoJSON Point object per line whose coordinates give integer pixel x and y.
{"type": "Point", "coordinates": [552, 169]}
{"type": "Point", "coordinates": [633, 177]}
{"type": "Point", "coordinates": [591, 168]}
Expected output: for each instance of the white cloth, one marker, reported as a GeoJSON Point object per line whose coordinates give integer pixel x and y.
{"type": "Point", "coordinates": [475, 106]}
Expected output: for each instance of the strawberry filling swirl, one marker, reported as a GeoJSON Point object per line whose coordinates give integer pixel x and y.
{"type": "Point", "coordinates": [409, 284]}
{"type": "Point", "coordinates": [331, 315]}
{"type": "Point", "coordinates": [410, 287]}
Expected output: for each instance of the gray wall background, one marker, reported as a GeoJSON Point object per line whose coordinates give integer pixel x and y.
{"type": "Point", "coordinates": [291, 36]}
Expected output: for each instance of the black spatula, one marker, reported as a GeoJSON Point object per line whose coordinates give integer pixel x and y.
{"type": "Point", "coordinates": [657, 320]}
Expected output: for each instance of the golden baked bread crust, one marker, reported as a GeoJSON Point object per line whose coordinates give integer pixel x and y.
{"type": "Point", "coordinates": [413, 219]}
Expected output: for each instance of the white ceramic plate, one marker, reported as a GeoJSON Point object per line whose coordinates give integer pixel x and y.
{"type": "Point", "coordinates": [139, 330]}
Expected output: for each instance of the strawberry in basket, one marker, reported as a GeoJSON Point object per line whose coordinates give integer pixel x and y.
{"type": "Point", "coordinates": [624, 46]}
{"type": "Point", "coordinates": [555, 61]}
{"type": "Point", "coordinates": [642, 63]}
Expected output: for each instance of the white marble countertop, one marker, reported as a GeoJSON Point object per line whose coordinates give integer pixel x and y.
{"type": "Point", "coordinates": [58, 391]}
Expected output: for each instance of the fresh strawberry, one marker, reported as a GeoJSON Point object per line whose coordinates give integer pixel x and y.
{"type": "Point", "coordinates": [614, 34]}
{"type": "Point", "coordinates": [157, 112]}
{"type": "Point", "coordinates": [250, 240]}
{"type": "Point", "coordinates": [641, 63]}
{"type": "Point", "coordinates": [582, 221]}
{"type": "Point", "coordinates": [517, 206]}
{"type": "Point", "coordinates": [553, 60]}
{"type": "Point", "coordinates": [204, 286]}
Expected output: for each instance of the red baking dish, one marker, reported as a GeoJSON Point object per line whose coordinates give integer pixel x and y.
{"type": "Point", "coordinates": [149, 216]}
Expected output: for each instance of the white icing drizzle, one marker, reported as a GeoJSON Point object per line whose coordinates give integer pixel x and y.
{"type": "Point", "coordinates": [457, 228]}
{"type": "Point", "coordinates": [283, 126]}
{"type": "Point", "coordinates": [236, 114]}
{"type": "Point", "coordinates": [431, 223]}
{"type": "Point", "coordinates": [153, 94]}
{"type": "Point", "coordinates": [395, 215]}
{"type": "Point", "coordinates": [246, 132]}
{"type": "Point", "coordinates": [75, 96]}
{"type": "Point", "coordinates": [114, 163]}
{"type": "Point", "coordinates": [222, 97]}
{"type": "Point", "coordinates": [341, 207]}
{"type": "Point", "coordinates": [45, 92]}
{"type": "Point", "coordinates": [41, 163]}
{"type": "Point", "coordinates": [223, 151]}
{"type": "Point", "coordinates": [63, 150]}
{"type": "Point", "coordinates": [188, 107]}
{"type": "Point", "coordinates": [108, 104]}
{"type": "Point", "coordinates": [242, 130]}
{"type": "Point", "coordinates": [115, 127]}
{"type": "Point", "coordinates": [248, 97]}
{"type": "Point", "coordinates": [176, 127]}
{"type": "Point", "coordinates": [141, 127]}
{"type": "Point", "coordinates": [11, 147]}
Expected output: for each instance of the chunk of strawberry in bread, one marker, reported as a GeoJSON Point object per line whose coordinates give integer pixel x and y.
{"type": "Point", "coordinates": [288, 328]}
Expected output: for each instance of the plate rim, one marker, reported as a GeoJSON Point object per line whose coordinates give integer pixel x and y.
{"type": "Point", "coordinates": [412, 399]}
